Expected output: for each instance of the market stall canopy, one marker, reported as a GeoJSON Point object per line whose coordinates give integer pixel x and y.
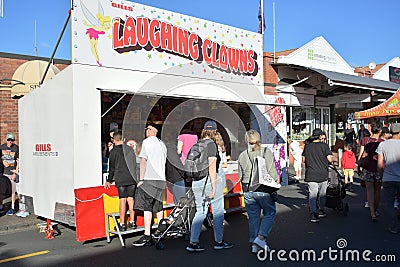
{"type": "Point", "coordinates": [329, 83]}
{"type": "Point", "coordinates": [389, 108]}
{"type": "Point", "coordinates": [347, 80]}
{"type": "Point", "coordinates": [29, 76]}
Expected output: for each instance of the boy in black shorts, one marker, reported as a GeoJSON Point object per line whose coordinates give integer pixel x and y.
{"type": "Point", "coordinates": [122, 169]}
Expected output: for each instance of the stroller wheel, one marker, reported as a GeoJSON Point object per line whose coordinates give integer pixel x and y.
{"type": "Point", "coordinates": [346, 209]}
{"type": "Point", "coordinates": [160, 245]}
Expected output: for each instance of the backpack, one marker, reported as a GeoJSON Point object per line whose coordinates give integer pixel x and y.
{"type": "Point", "coordinates": [196, 165]}
{"type": "Point", "coordinates": [370, 162]}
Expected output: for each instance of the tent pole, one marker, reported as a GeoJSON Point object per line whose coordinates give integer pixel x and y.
{"type": "Point", "coordinates": [55, 48]}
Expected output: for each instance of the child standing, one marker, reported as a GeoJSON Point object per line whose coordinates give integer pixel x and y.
{"type": "Point", "coordinates": [348, 165]}
{"type": "Point", "coordinates": [297, 152]}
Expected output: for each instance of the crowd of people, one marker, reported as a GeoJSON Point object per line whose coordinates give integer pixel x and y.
{"type": "Point", "coordinates": [163, 164]}
{"type": "Point", "coordinates": [142, 171]}
{"type": "Point", "coordinates": [377, 165]}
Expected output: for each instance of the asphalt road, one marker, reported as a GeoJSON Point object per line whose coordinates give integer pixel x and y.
{"type": "Point", "coordinates": [332, 239]}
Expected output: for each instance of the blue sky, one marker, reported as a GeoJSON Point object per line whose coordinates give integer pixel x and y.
{"type": "Point", "coordinates": [361, 31]}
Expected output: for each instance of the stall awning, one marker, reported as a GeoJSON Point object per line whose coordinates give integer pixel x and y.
{"type": "Point", "coordinates": [347, 80]}
{"type": "Point", "coordinates": [330, 83]}
{"type": "Point", "coordinates": [389, 108]}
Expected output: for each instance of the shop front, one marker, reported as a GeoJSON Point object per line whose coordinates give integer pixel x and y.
{"type": "Point", "coordinates": [323, 91]}
{"type": "Point", "coordinates": [146, 66]}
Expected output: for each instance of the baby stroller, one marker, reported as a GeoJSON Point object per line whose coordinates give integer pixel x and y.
{"type": "Point", "coordinates": [336, 192]}
{"type": "Point", "coordinates": [178, 223]}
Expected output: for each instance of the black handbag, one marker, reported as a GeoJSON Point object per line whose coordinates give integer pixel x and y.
{"type": "Point", "coordinates": [363, 162]}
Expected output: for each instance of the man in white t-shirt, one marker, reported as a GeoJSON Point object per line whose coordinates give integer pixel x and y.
{"type": "Point", "coordinates": [389, 170]}
{"type": "Point", "coordinates": [151, 181]}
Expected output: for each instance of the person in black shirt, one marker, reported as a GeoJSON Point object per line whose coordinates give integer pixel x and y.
{"type": "Point", "coordinates": [208, 189]}
{"type": "Point", "coordinates": [349, 135]}
{"type": "Point", "coordinates": [317, 156]}
{"type": "Point", "coordinates": [9, 153]}
{"type": "Point", "coordinates": [122, 169]}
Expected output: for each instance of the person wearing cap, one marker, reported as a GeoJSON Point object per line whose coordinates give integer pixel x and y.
{"type": "Point", "coordinates": [9, 157]}
{"type": "Point", "coordinates": [317, 156]}
{"type": "Point", "coordinates": [152, 182]}
{"type": "Point", "coordinates": [209, 189]}
{"type": "Point", "coordinates": [389, 169]}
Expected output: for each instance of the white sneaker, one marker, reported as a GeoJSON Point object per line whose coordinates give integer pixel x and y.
{"type": "Point", "coordinates": [396, 204]}
{"type": "Point", "coordinates": [261, 243]}
{"type": "Point", "coordinates": [366, 204]}
{"type": "Point", "coordinates": [24, 214]}
{"type": "Point", "coordinates": [255, 248]}
{"type": "Point", "coordinates": [19, 213]}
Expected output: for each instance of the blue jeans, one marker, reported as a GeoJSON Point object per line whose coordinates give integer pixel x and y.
{"type": "Point", "coordinates": [217, 205]}
{"type": "Point", "coordinates": [179, 190]}
{"type": "Point", "coordinates": [315, 191]}
{"type": "Point", "coordinates": [390, 190]}
{"type": "Point", "coordinates": [255, 202]}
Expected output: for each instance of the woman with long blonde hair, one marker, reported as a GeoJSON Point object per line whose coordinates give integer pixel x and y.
{"type": "Point", "coordinates": [263, 199]}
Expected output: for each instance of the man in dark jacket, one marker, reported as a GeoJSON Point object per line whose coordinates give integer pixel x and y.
{"type": "Point", "coordinates": [317, 156]}
{"type": "Point", "coordinates": [122, 169]}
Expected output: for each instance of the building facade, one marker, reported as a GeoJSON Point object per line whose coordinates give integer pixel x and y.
{"type": "Point", "coordinates": [9, 63]}
{"type": "Point", "coordinates": [322, 90]}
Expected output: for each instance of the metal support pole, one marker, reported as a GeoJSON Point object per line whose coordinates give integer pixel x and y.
{"type": "Point", "coordinates": [55, 48]}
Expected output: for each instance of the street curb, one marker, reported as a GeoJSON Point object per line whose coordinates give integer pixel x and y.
{"type": "Point", "coordinates": [12, 226]}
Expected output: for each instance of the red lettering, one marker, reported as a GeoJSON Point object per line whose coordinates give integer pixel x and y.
{"type": "Point", "coordinates": [128, 8]}
{"type": "Point", "coordinates": [147, 33]}
{"type": "Point", "coordinates": [223, 57]}
{"type": "Point", "coordinates": [194, 46]}
{"type": "Point", "coordinates": [130, 32]}
{"type": "Point", "coordinates": [175, 39]}
{"type": "Point", "coordinates": [206, 47]}
{"type": "Point", "coordinates": [154, 37]}
{"type": "Point", "coordinates": [142, 31]}
{"type": "Point", "coordinates": [183, 47]}
{"type": "Point", "coordinates": [117, 41]}
{"type": "Point", "coordinates": [243, 61]}
{"type": "Point", "coordinates": [251, 64]}
{"type": "Point", "coordinates": [43, 147]}
{"type": "Point", "coordinates": [166, 36]}
{"type": "Point", "coordinates": [233, 59]}
{"type": "Point", "coordinates": [214, 55]}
